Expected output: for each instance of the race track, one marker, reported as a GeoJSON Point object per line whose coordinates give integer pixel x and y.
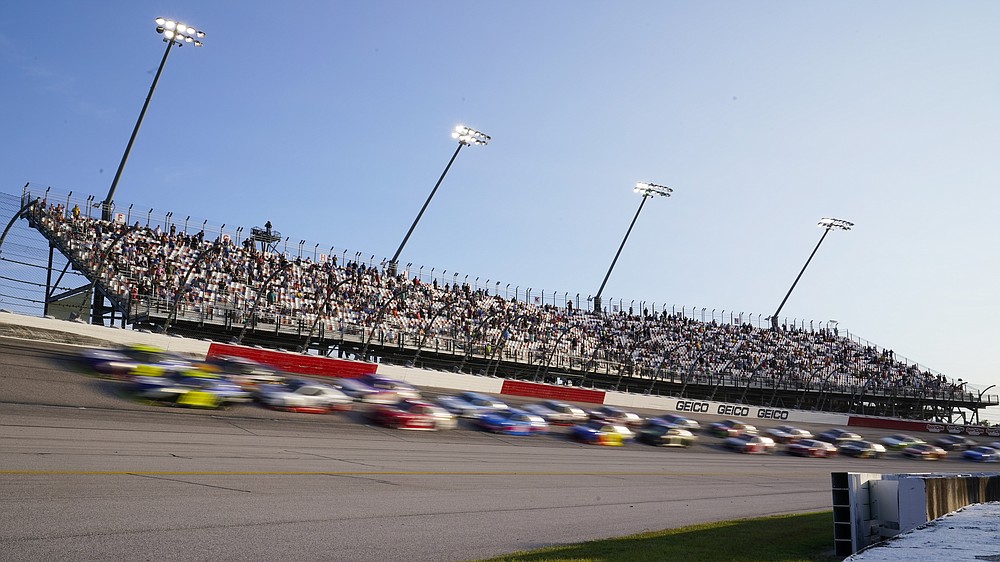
{"type": "Point", "coordinates": [87, 474]}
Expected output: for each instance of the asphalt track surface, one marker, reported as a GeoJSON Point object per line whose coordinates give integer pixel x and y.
{"type": "Point", "coordinates": [87, 474]}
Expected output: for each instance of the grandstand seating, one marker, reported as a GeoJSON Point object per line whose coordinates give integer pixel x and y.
{"type": "Point", "coordinates": [163, 271]}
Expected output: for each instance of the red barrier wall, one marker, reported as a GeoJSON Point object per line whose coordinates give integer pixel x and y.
{"type": "Point", "coordinates": [548, 391]}
{"type": "Point", "coordinates": [296, 362]}
{"type": "Point", "coordinates": [901, 425]}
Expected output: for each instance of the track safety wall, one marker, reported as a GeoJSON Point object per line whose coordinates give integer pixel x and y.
{"type": "Point", "coordinates": [296, 363]}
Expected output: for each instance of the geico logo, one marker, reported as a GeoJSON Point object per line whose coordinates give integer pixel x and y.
{"type": "Point", "coordinates": [767, 414]}
{"type": "Point", "coordinates": [729, 410]}
{"type": "Point", "coordinates": [685, 406]}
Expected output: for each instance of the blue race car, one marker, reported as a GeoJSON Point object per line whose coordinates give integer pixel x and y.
{"type": "Point", "coordinates": [190, 389]}
{"type": "Point", "coordinates": [982, 454]}
{"type": "Point", "coordinates": [600, 432]}
{"type": "Point", "coordinates": [512, 422]}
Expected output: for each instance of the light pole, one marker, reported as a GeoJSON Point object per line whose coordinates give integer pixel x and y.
{"type": "Point", "coordinates": [827, 225]}
{"type": "Point", "coordinates": [465, 136]}
{"type": "Point", "coordinates": [174, 33]}
{"type": "Point", "coordinates": [647, 190]}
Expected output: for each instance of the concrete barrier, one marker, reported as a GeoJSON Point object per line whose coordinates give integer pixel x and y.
{"type": "Point", "coordinates": [90, 335]}
{"type": "Point", "coordinates": [871, 507]}
{"type": "Point", "coordinates": [439, 379]}
{"type": "Point", "coordinates": [686, 406]}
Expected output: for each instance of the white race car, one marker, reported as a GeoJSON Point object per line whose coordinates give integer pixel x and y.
{"type": "Point", "coordinates": [303, 396]}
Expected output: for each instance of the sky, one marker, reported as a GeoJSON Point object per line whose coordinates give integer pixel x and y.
{"type": "Point", "coordinates": [332, 121]}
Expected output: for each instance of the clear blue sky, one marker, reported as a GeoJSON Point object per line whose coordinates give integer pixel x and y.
{"type": "Point", "coordinates": [331, 120]}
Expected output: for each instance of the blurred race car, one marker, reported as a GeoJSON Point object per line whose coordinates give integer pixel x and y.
{"type": "Point", "coordinates": [513, 422]}
{"type": "Point", "coordinates": [412, 414]}
{"type": "Point", "coordinates": [598, 432]}
{"type": "Point", "coordinates": [471, 404]}
{"type": "Point", "coordinates": [301, 395]}
{"type": "Point", "coordinates": [615, 415]}
{"type": "Point", "coordinates": [676, 420]}
{"type": "Point", "coordinates": [955, 442]}
{"type": "Point", "coordinates": [658, 434]}
{"type": "Point", "coordinates": [731, 428]}
{"type": "Point", "coordinates": [750, 443]}
{"type": "Point", "coordinates": [557, 413]}
{"type": "Point", "coordinates": [132, 360]}
{"type": "Point", "coordinates": [981, 454]}
{"type": "Point", "coordinates": [190, 388]}
{"type": "Point", "coordinates": [859, 448]}
{"type": "Point", "coordinates": [245, 372]}
{"type": "Point", "coordinates": [811, 448]}
{"type": "Point", "coordinates": [787, 434]}
{"type": "Point", "coordinates": [484, 400]}
{"type": "Point", "coordinates": [900, 441]}
{"type": "Point", "coordinates": [403, 390]}
{"type": "Point", "coordinates": [460, 407]}
{"type": "Point", "coordinates": [361, 392]}
{"type": "Point", "coordinates": [925, 451]}
{"type": "Point", "coordinates": [837, 435]}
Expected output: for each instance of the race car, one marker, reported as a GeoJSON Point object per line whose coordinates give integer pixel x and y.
{"type": "Point", "coordinates": [245, 372]}
{"type": "Point", "coordinates": [925, 451]}
{"type": "Point", "coordinates": [598, 432]}
{"type": "Point", "coordinates": [557, 413]}
{"type": "Point", "coordinates": [676, 420]}
{"type": "Point", "coordinates": [750, 443]}
{"type": "Point", "coordinates": [189, 388]}
{"type": "Point", "coordinates": [132, 360]}
{"type": "Point", "coordinates": [811, 448]}
{"type": "Point", "coordinates": [955, 442]}
{"type": "Point", "coordinates": [900, 441]}
{"type": "Point", "coordinates": [513, 422]}
{"type": "Point", "coordinates": [301, 395]}
{"type": "Point", "coordinates": [412, 414]}
{"type": "Point", "coordinates": [731, 428]}
{"type": "Point", "coordinates": [661, 435]}
{"type": "Point", "coordinates": [861, 449]}
{"type": "Point", "coordinates": [981, 454]}
{"type": "Point", "coordinates": [403, 390]}
{"type": "Point", "coordinates": [787, 434]}
{"type": "Point", "coordinates": [836, 435]}
{"type": "Point", "coordinates": [361, 392]}
{"type": "Point", "coordinates": [615, 415]}
{"type": "Point", "coordinates": [471, 404]}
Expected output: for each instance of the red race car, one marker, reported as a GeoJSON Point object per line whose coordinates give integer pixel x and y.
{"type": "Point", "coordinates": [412, 414]}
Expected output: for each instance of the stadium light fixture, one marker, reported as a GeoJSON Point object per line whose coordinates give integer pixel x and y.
{"type": "Point", "coordinates": [466, 136]}
{"type": "Point", "coordinates": [174, 33]}
{"type": "Point", "coordinates": [647, 190]}
{"type": "Point", "coordinates": [827, 224]}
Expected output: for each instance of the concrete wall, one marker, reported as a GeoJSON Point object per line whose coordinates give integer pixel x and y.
{"type": "Point", "coordinates": [871, 507]}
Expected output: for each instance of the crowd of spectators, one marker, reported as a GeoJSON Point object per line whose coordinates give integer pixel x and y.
{"type": "Point", "coordinates": [165, 267]}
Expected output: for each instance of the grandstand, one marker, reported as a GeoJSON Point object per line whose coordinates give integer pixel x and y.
{"type": "Point", "coordinates": [197, 280]}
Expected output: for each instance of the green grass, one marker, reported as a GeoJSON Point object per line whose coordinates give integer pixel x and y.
{"type": "Point", "coordinates": [779, 538]}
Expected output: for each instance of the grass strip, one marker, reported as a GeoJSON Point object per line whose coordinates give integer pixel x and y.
{"type": "Point", "coordinates": [784, 538]}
